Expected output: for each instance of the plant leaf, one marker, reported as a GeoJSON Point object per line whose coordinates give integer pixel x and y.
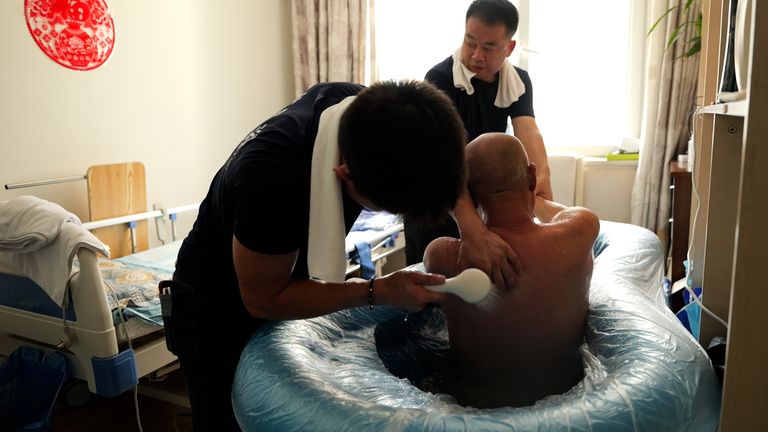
{"type": "Point", "coordinates": [699, 19]}
{"type": "Point", "coordinates": [695, 47]}
{"type": "Point", "coordinates": [673, 37]}
{"type": "Point", "coordinates": [664, 15]}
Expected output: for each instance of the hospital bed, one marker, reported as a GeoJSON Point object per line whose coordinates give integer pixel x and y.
{"type": "Point", "coordinates": [111, 332]}
{"type": "Point", "coordinates": [110, 327]}
{"type": "Point", "coordinates": [374, 238]}
{"type": "Point", "coordinates": [107, 323]}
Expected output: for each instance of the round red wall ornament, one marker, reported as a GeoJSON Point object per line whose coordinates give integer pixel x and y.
{"type": "Point", "coordinates": [77, 34]}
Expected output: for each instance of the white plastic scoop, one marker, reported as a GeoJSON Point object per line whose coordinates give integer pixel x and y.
{"type": "Point", "coordinates": [472, 285]}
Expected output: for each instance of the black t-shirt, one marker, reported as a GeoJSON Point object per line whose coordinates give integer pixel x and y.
{"type": "Point", "coordinates": [477, 111]}
{"type": "Point", "coordinates": [261, 195]}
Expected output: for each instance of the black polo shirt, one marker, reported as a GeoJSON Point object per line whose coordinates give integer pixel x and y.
{"type": "Point", "coordinates": [261, 195]}
{"type": "Point", "coordinates": [477, 110]}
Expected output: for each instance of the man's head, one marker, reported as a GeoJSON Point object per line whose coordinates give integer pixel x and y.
{"type": "Point", "coordinates": [402, 144]}
{"type": "Point", "coordinates": [490, 25]}
{"type": "Point", "coordinates": [498, 163]}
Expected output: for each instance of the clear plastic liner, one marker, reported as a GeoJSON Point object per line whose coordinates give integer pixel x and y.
{"type": "Point", "coordinates": [644, 371]}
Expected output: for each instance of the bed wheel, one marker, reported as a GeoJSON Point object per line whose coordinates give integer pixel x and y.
{"type": "Point", "coordinates": [75, 393]}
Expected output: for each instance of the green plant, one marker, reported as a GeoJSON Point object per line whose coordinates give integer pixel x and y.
{"type": "Point", "coordinates": [693, 45]}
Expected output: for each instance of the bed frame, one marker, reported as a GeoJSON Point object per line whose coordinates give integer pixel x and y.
{"type": "Point", "coordinates": [384, 244]}
{"type": "Point", "coordinates": [87, 337]}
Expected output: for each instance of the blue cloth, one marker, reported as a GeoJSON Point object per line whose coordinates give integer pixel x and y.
{"type": "Point", "coordinates": [690, 314]}
{"type": "Point", "coordinates": [367, 268]}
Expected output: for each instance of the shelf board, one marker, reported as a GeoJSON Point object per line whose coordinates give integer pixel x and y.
{"type": "Point", "coordinates": [736, 109]}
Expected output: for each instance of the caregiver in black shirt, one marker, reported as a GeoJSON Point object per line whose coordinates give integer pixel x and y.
{"type": "Point", "coordinates": [401, 149]}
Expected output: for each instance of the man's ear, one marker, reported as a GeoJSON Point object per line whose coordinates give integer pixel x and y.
{"type": "Point", "coordinates": [342, 172]}
{"type": "Point", "coordinates": [511, 47]}
{"type": "Point", "coordinates": [532, 176]}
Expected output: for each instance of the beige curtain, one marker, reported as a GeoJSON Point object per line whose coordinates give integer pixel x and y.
{"type": "Point", "coordinates": [668, 106]}
{"type": "Point", "coordinates": [332, 41]}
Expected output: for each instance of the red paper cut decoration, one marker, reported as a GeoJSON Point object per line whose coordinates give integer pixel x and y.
{"type": "Point", "coordinates": [77, 34]}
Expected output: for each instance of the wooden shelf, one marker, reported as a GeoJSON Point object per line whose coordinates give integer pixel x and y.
{"type": "Point", "coordinates": [730, 234]}
{"type": "Point", "coordinates": [736, 109]}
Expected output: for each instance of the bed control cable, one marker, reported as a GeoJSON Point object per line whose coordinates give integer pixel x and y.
{"type": "Point", "coordinates": [130, 345]}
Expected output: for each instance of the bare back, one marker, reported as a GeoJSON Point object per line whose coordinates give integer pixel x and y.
{"type": "Point", "coordinates": [524, 345]}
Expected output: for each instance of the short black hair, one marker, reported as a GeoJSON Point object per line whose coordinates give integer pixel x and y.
{"type": "Point", "coordinates": [403, 143]}
{"type": "Point", "coordinates": [494, 12]}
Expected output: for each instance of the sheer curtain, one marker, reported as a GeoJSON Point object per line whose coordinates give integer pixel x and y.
{"type": "Point", "coordinates": [669, 103]}
{"type": "Point", "coordinates": [332, 41]}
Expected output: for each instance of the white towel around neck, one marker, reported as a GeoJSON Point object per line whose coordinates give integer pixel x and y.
{"type": "Point", "coordinates": [511, 87]}
{"type": "Point", "coordinates": [326, 255]}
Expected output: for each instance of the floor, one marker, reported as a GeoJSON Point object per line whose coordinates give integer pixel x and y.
{"type": "Point", "coordinates": [118, 414]}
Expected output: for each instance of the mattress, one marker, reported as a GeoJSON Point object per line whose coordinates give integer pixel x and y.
{"type": "Point", "coordinates": [131, 287]}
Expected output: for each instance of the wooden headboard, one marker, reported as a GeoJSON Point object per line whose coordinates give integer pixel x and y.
{"type": "Point", "coordinates": [118, 190]}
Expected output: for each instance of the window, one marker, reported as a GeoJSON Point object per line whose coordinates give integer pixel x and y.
{"type": "Point", "coordinates": [585, 60]}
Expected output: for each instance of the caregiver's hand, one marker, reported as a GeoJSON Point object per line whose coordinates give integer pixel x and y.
{"type": "Point", "coordinates": [484, 249]}
{"type": "Point", "coordinates": [487, 251]}
{"type": "Point", "coordinates": [405, 289]}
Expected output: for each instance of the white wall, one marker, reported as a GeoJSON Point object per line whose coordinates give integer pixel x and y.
{"type": "Point", "coordinates": [186, 81]}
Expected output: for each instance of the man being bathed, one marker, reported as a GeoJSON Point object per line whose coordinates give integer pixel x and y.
{"type": "Point", "coordinates": [524, 344]}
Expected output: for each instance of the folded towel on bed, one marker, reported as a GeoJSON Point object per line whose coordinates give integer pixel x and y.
{"type": "Point", "coordinates": [28, 223]}
{"type": "Point", "coordinates": [326, 256]}
{"type": "Point", "coordinates": [46, 255]}
{"type": "Point", "coordinates": [511, 87]}
{"type": "Point", "coordinates": [51, 265]}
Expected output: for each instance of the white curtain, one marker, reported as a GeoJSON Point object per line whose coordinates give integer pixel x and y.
{"type": "Point", "coordinates": [670, 99]}
{"type": "Point", "coordinates": [332, 41]}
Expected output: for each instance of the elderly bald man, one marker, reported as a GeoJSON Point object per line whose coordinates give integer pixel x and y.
{"type": "Point", "coordinates": [523, 345]}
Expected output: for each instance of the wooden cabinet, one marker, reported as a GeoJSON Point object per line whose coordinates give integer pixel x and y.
{"type": "Point", "coordinates": [679, 226]}
{"type": "Point", "coordinates": [679, 223]}
{"type": "Point", "coordinates": [731, 234]}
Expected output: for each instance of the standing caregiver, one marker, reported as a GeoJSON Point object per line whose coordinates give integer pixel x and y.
{"type": "Point", "coordinates": [487, 91]}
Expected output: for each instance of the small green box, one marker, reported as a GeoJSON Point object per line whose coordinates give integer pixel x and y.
{"type": "Point", "coordinates": [617, 155]}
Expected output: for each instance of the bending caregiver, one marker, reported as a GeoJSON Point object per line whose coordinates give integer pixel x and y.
{"type": "Point", "coordinates": [278, 209]}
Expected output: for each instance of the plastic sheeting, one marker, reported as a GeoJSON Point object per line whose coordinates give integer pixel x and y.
{"type": "Point", "coordinates": [644, 371]}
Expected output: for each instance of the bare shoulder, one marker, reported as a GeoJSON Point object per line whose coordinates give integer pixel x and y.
{"type": "Point", "coordinates": [441, 256]}
{"type": "Point", "coordinates": [581, 222]}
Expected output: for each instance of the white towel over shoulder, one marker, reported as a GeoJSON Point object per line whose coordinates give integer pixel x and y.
{"type": "Point", "coordinates": [326, 255]}
{"type": "Point", "coordinates": [511, 87]}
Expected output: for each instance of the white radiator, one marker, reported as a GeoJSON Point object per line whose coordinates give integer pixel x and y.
{"type": "Point", "coordinates": [563, 169]}
{"type": "Point", "coordinates": [604, 187]}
